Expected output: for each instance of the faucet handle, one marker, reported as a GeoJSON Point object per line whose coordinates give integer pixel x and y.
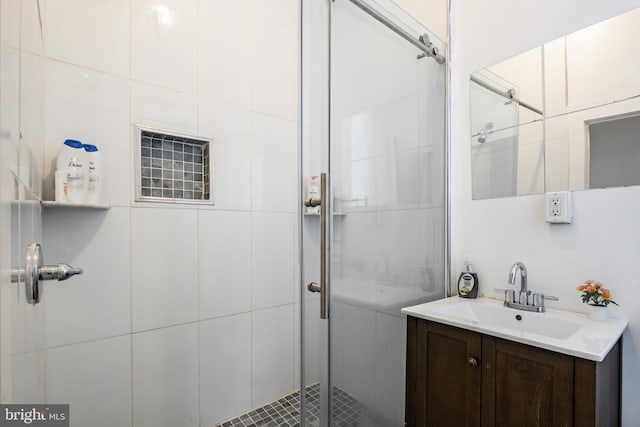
{"type": "Point", "coordinates": [509, 294]}
{"type": "Point", "coordinates": [538, 299]}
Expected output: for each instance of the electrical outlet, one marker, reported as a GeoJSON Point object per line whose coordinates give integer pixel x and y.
{"type": "Point", "coordinates": [558, 208]}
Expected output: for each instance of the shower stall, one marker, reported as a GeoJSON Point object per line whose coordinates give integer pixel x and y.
{"type": "Point", "coordinates": [372, 125]}
{"type": "Point", "coordinates": [194, 315]}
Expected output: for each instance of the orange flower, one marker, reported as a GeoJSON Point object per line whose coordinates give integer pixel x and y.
{"type": "Point", "coordinates": [594, 293]}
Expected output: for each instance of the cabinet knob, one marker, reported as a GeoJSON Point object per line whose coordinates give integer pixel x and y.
{"type": "Point", "coordinates": [472, 362]}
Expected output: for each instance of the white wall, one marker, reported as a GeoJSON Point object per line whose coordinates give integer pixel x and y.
{"type": "Point", "coordinates": [184, 315]}
{"type": "Point", "coordinates": [601, 243]}
{"type": "Point", "coordinates": [433, 14]}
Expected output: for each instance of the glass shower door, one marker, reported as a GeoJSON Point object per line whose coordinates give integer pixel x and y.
{"type": "Point", "coordinates": [375, 123]}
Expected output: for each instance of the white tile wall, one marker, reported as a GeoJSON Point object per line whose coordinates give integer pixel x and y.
{"type": "Point", "coordinates": [224, 263]}
{"type": "Point", "coordinates": [390, 356]}
{"type": "Point", "coordinates": [358, 344]}
{"type": "Point", "coordinates": [31, 121]}
{"type": "Point", "coordinates": [273, 68]}
{"type": "Point", "coordinates": [10, 24]}
{"type": "Point", "coordinates": [272, 353]}
{"type": "Point", "coordinates": [163, 108]}
{"type": "Point", "coordinates": [30, 31]}
{"type": "Point", "coordinates": [91, 33]}
{"type": "Point", "coordinates": [280, 12]}
{"type": "Point", "coordinates": [163, 48]}
{"type": "Point", "coordinates": [165, 303]}
{"type": "Point", "coordinates": [403, 246]}
{"type": "Point", "coordinates": [26, 378]}
{"type": "Point", "coordinates": [164, 271]}
{"type": "Point", "coordinates": [232, 172]}
{"type": "Point", "coordinates": [224, 68]}
{"type": "Point", "coordinates": [272, 259]}
{"type": "Point", "coordinates": [28, 320]}
{"type": "Point", "coordinates": [220, 117]}
{"type": "Point", "coordinates": [225, 368]}
{"type": "Point", "coordinates": [314, 345]}
{"type": "Point", "coordinates": [230, 128]}
{"type": "Point", "coordinates": [92, 107]}
{"type": "Point", "coordinates": [359, 246]}
{"type": "Point", "coordinates": [10, 81]}
{"type": "Point", "coordinates": [22, 130]}
{"type": "Point", "coordinates": [273, 145]}
{"type": "Point", "coordinates": [90, 372]}
{"type": "Point", "coordinates": [165, 377]}
{"type": "Point", "coordinates": [96, 304]}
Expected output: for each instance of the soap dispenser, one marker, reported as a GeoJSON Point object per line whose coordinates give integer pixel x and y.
{"type": "Point", "coordinates": [468, 281]}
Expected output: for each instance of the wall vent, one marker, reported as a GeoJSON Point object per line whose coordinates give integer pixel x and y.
{"type": "Point", "coordinates": [173, 168]}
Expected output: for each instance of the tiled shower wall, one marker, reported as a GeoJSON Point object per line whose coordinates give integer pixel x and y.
{"type": "Point", "coordinates": [185, 315]}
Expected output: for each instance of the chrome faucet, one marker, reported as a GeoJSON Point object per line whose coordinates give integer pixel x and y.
{"type": "Point", "coordinates": [523, 297]}
{"type": "Point", "coordinates": [525, 300]}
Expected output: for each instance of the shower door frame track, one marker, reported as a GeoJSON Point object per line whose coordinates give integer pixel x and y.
{"type": "Point", "coordinates": [422, 43]}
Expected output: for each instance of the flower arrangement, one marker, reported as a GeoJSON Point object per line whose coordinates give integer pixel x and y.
{"type": "Point", "coordinates": [593, 293]}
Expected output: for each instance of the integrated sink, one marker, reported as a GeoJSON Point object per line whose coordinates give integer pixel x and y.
{"type": "Point", "coordinates": [545, 324]}
{"type": "Point", "coordinates": [556, 330]}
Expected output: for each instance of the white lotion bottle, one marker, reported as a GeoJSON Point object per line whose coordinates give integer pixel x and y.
{"type": "Point", "coordinates": [93, 160]}
{"type": "Point", "coordinates": [71, 161]}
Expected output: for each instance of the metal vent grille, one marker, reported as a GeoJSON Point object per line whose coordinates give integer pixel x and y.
{"type": "Point", "coordinates": [173, 168]}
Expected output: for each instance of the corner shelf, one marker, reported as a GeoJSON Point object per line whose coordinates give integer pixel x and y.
{"type": "Point", "coordinates": [52, 204]}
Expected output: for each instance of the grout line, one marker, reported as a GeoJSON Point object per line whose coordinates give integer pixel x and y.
{"type": "Point", "coordinates": [198, 325]}
{"type": "Point", "coordinates": [132, 196]}
{"type": "Point", "coordinates": [197, 42]}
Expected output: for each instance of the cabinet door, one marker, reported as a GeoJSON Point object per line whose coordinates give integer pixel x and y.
{"type": "Point", "coordinates": [448, 381]}
{"type": "Point", "coordinates": [525, 386]}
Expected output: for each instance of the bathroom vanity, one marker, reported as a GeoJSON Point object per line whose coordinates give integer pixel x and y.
{"type": "Point", "coordinates": [468, 368]}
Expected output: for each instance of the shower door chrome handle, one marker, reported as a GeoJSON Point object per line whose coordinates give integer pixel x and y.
{"type": "Point", "coordinates": [313, 286]}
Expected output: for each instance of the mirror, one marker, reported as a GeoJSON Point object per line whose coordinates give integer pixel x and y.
{"type": "Point", "coordinates": [563, 116]}
{"type": "Point", "coordinates": [507, 149]}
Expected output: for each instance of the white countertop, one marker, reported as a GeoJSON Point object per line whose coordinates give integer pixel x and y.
{"type": "Point", "coordinates": [584, 338]}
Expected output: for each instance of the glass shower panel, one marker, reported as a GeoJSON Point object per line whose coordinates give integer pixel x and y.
{"type": "Point", "coordinates": [22, 340]}
{"type": "Point", "coordinates": [387, 167]}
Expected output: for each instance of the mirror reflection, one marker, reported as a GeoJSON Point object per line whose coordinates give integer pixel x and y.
{"type": "Point", "coordinates": [563, 116]}
{"type": "Point", "coordinates": [507, 152]}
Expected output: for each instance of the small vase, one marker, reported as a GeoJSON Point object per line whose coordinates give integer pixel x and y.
{"type": "Point", "coordinates": [597, 313]}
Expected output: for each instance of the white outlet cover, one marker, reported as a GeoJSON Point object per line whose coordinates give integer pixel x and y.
{"type": "Point", "coordinates": [559, 207]}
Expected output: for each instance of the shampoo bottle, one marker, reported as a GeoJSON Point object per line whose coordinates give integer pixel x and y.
{"type": "Point", "coordinates": [94, 173]}
{"type": "Point", "coordinates": [468, 281]}
{"type": "Point", "coordinates": [71, 161]}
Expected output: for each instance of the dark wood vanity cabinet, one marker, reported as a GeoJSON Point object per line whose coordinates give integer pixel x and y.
{"type": "Point", "coordinates": [457, 377]}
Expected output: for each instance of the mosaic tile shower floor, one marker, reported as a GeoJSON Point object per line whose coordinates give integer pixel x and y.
{"type": "Point", "coordinates": [284, 412]}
